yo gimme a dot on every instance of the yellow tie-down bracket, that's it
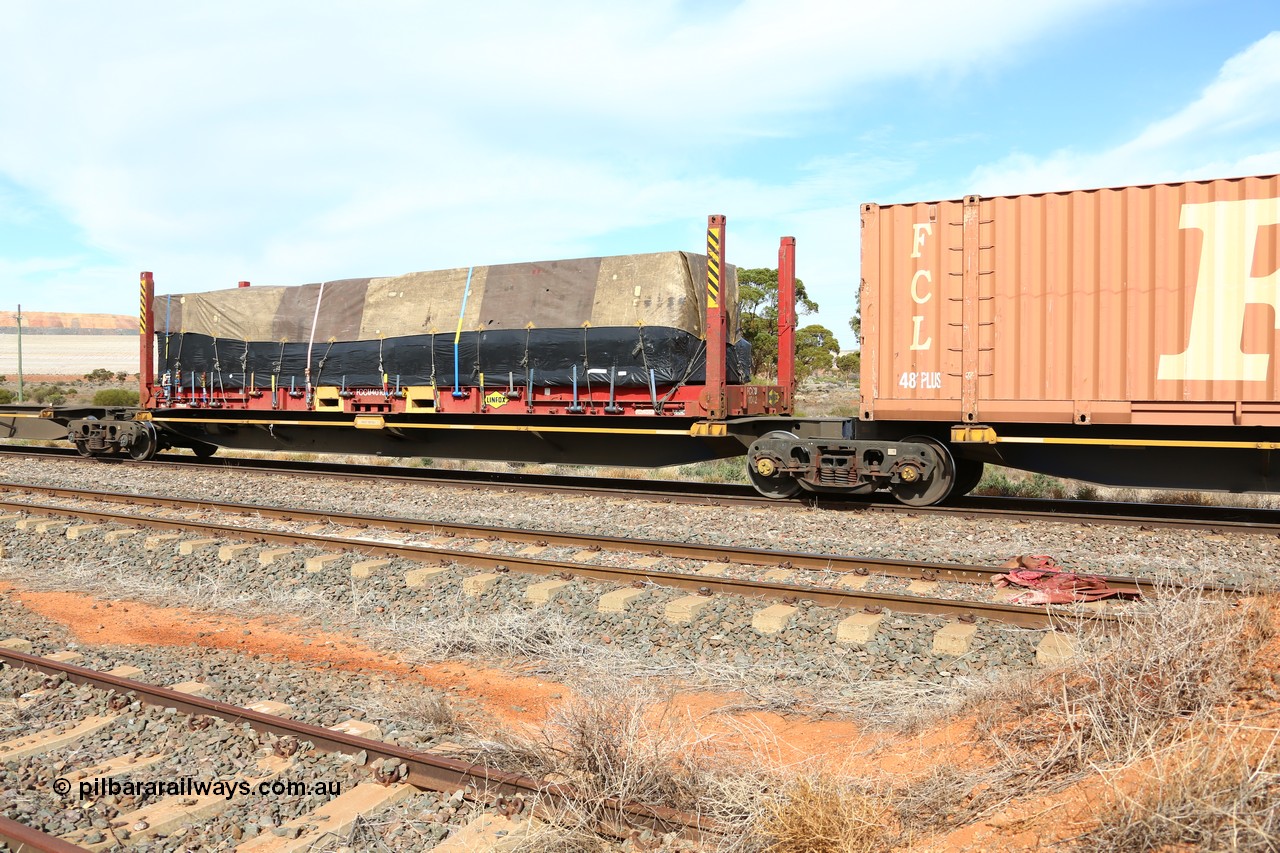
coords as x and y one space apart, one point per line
328 399
419 399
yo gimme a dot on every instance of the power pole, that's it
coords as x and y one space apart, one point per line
18 317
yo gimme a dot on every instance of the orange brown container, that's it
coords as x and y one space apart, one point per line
1144 305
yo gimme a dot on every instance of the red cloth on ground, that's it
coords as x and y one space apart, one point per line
1048 583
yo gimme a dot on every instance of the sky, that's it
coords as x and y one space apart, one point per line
291 142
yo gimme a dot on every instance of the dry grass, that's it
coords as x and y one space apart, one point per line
539 635
425 710
626 741
819 814
1212 794
1133 688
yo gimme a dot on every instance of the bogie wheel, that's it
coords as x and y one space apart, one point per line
82 447
778 485
145 444
968 476
937 487
202 450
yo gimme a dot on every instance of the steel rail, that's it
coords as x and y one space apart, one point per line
1213 519
741 555
1022 616
680 550
425 770
20 838
672 491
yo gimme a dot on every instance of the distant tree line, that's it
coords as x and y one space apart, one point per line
817 349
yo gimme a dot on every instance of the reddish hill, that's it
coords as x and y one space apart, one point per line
54 322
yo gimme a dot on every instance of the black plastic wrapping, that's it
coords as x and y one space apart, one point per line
675 357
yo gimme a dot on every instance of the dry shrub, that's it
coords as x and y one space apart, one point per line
1183 498
944 796
818 814
623 741
426 709
1212 794
909 707
1170 659
536 634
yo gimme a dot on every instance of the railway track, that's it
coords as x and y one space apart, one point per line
825 579
191 526
393 772
1212 519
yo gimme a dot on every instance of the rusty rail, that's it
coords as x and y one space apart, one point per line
425 770
741 555
1021 616
20 838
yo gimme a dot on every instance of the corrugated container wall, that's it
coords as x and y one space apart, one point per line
1145 305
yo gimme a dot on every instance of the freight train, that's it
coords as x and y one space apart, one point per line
1124 336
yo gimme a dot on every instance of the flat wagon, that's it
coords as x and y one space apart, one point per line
1124 336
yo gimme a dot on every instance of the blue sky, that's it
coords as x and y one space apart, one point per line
292 142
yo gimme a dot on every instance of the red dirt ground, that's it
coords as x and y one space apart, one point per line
499 694
1029 824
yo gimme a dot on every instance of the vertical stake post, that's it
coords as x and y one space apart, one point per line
146 337
787 318
18 317
714 393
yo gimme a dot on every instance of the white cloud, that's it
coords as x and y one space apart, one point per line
288 143
1237 117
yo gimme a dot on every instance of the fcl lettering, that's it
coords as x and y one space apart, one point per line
1224 287
919 282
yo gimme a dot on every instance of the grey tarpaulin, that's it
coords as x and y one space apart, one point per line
629 313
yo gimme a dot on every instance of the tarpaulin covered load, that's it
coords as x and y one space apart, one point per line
631 314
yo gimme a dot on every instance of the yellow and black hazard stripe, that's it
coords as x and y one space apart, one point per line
714 260
142 304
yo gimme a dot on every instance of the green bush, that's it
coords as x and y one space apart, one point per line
850 364
115 397
6 396
49 395
996 481
101 374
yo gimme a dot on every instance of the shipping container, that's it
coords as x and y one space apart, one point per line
1145 305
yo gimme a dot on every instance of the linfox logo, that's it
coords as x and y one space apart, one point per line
1224 287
